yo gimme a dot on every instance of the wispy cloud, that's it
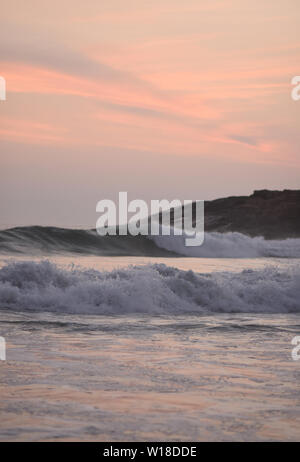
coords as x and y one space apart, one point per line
171 80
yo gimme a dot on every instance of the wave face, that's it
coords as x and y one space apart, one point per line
153 289
235 245
38 240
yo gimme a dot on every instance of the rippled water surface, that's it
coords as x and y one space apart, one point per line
221 377
134 377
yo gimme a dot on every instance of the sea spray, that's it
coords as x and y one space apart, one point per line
151 289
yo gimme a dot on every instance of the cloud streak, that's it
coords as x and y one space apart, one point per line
208 81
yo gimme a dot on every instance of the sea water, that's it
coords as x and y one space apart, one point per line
141 348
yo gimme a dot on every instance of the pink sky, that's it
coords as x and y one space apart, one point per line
161 98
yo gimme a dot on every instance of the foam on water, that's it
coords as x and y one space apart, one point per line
150 289
233 245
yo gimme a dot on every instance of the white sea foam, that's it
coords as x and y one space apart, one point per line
234 245
151 289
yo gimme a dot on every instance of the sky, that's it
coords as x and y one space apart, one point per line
163 99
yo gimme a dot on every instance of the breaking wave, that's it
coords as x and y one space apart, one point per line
153 289
233 244
38 240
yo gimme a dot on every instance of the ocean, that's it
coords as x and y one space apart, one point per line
137 339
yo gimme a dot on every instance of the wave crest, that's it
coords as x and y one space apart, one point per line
38 240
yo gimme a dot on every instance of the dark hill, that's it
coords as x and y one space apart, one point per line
272 214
